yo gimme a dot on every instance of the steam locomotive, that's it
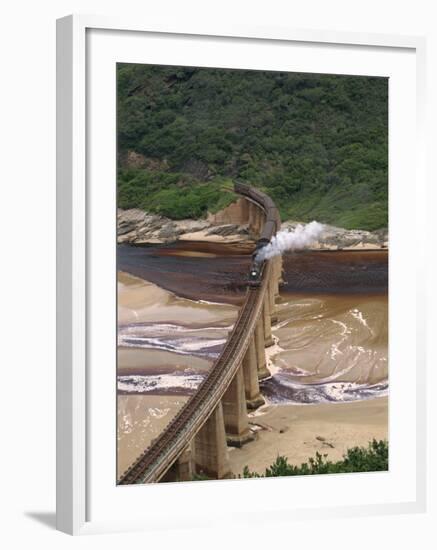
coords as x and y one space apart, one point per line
255 274
271 226
256 267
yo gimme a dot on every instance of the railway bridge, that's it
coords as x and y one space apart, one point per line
216 416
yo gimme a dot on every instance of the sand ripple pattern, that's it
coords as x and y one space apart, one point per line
178 341
331 348
202 342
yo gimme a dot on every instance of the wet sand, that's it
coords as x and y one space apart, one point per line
142 301
154 382
141 418
144 307
331 347
144 361
292 431
329 350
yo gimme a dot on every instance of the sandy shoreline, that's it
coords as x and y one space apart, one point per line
292 431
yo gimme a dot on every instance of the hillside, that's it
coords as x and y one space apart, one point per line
317 144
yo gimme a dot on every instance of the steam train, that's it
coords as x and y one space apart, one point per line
271 226
255 274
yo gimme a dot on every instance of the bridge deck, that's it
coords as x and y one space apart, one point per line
153 463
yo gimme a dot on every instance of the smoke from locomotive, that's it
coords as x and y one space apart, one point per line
302 237
267 246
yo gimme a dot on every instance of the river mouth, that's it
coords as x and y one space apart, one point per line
331 328
176 309
218 273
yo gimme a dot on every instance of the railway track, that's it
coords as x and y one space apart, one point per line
154 462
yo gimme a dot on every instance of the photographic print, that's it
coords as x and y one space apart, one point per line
252 270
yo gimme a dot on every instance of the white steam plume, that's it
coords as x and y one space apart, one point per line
301 237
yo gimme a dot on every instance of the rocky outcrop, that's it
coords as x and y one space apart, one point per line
137 227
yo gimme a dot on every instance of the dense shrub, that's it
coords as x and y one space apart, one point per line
316 143
374 458
171 194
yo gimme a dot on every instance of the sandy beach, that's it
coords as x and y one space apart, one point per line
299 431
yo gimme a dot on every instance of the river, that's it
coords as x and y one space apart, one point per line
177 303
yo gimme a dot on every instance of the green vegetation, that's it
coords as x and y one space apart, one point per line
317 144
374 458
171 194
358 459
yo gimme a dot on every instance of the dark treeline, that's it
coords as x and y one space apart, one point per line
316 143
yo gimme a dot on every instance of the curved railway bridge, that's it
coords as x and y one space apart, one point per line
197 439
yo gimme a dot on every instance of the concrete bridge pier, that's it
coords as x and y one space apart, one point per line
273 288
210 448
184 465
235 412
248 214
244 210
277 274
261 220
268 339
263 372
254 398
271 296
256 223
253 209
182 469
256 220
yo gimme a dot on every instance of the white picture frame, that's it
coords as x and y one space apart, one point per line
74 293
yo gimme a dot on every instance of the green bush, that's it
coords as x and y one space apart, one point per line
174 195
374 458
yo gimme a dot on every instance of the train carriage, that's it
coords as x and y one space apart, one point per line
271 225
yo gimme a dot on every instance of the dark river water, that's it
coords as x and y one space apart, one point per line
205 271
